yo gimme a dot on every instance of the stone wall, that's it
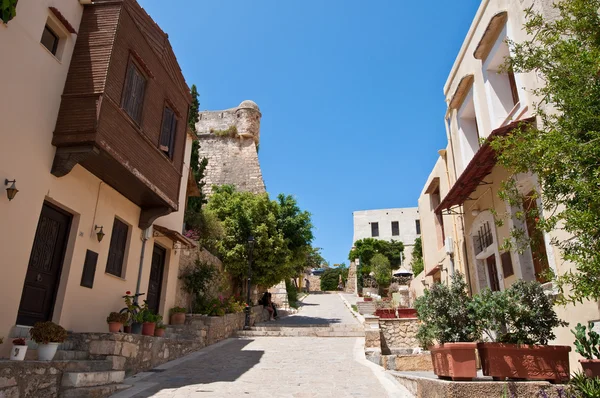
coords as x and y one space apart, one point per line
30 379
351 283
279 295
398 333
315 283
232 154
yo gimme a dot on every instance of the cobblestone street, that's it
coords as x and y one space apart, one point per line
275 366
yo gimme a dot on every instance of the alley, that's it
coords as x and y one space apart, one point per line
291 367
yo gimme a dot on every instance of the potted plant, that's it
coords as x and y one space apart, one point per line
19 350
160 329
177 315
519 322
149 322
115 321
587 347
47 335
447 318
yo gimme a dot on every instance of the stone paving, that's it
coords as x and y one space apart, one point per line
276 367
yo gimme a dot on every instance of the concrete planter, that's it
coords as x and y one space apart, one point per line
148 328
114 327
522 361
456 361
18 352
591 367
46 352
178 318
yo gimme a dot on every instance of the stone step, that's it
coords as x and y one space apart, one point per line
94 392
366 307
91 379
88 366
300 333
70 355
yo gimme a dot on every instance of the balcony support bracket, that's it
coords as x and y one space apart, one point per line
66 158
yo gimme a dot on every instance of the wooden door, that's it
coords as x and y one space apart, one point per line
45 266
157 269
493 273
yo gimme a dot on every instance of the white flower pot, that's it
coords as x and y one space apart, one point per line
46 352
18 352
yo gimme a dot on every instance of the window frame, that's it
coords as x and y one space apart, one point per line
168 150
120 230
54 49
374 229
397 223
124 91
418 227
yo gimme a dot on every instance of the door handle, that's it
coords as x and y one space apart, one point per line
38 277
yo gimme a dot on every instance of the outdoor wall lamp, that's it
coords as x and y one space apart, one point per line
100 234
11 191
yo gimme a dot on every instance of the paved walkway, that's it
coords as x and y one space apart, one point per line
264 367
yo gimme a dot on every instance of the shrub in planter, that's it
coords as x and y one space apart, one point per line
47 335
587 347
116 321
177 315
19 349
520 321
583 386
149 320
447 318
160 329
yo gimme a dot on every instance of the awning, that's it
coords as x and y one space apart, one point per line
174 236
478 168
433 271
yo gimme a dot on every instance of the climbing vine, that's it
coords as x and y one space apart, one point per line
228 132
8 10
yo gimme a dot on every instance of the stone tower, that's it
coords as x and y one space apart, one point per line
230 139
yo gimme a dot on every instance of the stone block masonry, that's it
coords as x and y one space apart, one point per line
229 139
398 333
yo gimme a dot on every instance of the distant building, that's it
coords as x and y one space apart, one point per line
401 225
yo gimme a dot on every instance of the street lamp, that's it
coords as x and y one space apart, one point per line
248 308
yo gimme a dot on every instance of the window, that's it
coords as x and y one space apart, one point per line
513 87
483 239
374 229
435 199
167 133
50 40
395 228
116 253
133 93
536 237
418 226
507 266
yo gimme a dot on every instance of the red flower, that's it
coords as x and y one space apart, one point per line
128 292
537 219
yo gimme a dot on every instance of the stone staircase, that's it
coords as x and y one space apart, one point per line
330 330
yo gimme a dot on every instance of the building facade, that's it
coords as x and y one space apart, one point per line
401 225
95 114
484 101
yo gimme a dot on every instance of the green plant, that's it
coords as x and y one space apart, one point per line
231 131
582 386
587 347
197 280
48 332
382 270
354 308
446 314
117 317
147 316
417 263
521 314
8 9
330 279
366 248
292 292
160 325
177 310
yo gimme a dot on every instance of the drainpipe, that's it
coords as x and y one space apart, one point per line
145 236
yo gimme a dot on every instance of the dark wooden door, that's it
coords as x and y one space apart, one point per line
45 266
156 276
493 273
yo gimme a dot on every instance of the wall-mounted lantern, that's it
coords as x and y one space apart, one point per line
11 191
100 234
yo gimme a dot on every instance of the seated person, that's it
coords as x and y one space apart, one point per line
266 303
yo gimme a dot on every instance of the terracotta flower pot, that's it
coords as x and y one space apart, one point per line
591 367
114 327
159 332
404 313
178 318
522 361
386 313
368 298
456 361
148 328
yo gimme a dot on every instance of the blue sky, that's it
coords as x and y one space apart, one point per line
350 92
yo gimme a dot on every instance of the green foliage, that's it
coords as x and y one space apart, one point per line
48 332
417 265
330 279
366 248
8 10
314 259
446 314
231 131
521 314
177 310
292 293
117 317
381 269
193 116
196 280
563 150
219 306
205 227
354 308
582 386
587 347
282 234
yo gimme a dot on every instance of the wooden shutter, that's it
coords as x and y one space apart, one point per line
126 102
167 133
507 265
116 253
89 269
140 89
133 93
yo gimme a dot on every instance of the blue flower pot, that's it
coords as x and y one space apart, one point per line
136 328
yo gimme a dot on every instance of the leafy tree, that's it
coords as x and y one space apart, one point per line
314 259
381 269
277 247
8 10
366 248
194 108
417 263
330 279
563 149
